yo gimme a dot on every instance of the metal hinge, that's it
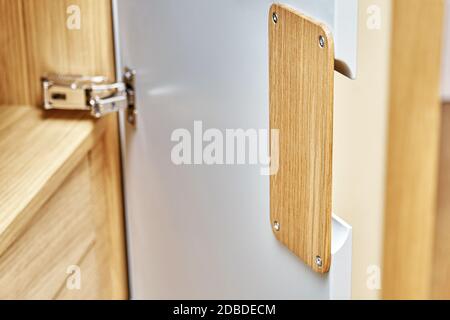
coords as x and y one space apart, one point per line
92 94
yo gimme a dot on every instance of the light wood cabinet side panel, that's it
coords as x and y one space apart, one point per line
104 266
413 146
54 47
62 231
51 47
37 156
109 214
441 262
89 51
92 280
13 58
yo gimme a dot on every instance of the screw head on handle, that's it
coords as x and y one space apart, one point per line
276 226
321 41
318 261
274 17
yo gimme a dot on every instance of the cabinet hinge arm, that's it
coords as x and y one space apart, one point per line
93 94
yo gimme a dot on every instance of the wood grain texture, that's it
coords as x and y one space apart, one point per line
301 108
103 266
413 147
35 266
37 154
13 61
109 218
37 157
87 51
92 279
48 148
441 259
54 48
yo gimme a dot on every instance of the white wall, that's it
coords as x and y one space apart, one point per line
360 145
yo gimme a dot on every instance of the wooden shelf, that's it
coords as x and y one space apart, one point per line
37 153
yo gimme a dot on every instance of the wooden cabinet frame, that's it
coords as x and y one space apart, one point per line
36 40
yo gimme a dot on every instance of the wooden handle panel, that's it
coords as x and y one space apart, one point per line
301 108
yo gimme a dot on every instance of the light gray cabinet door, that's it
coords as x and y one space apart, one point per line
202 230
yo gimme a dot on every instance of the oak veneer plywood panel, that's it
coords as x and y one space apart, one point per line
445 85
92 283
54 48
413 148
13 59
301 108
38 153
103 266
35 40
35 265
87 51
441 261
115 217
109 218
104 274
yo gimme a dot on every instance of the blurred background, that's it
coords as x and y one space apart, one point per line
391 153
